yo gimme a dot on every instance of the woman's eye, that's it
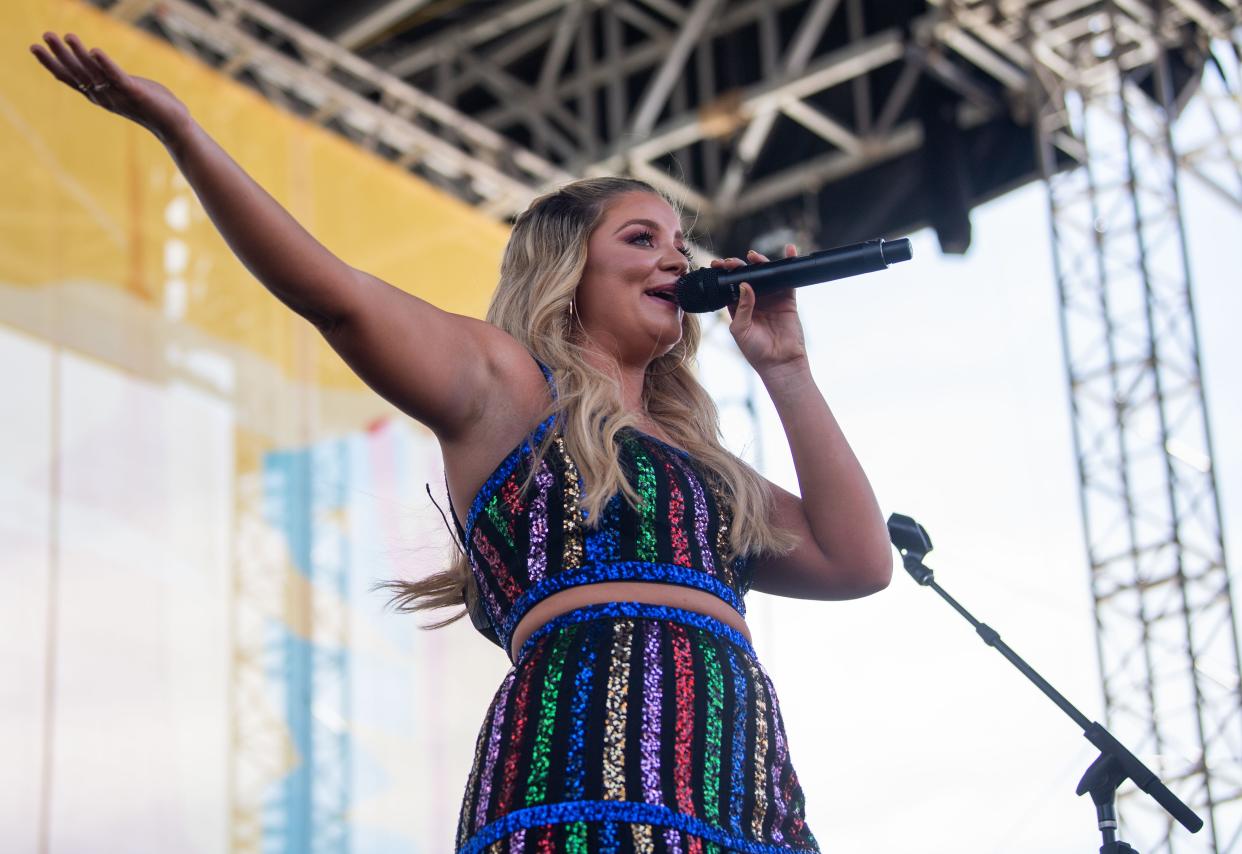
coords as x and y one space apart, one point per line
649 238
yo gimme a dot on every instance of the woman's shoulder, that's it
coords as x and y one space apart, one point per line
515 379
500 389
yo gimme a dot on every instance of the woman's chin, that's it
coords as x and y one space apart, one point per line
664 344
665 328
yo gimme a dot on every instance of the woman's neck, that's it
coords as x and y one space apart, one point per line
633 378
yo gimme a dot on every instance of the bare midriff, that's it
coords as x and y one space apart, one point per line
626 591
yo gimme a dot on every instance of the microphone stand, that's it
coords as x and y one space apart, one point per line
1115 763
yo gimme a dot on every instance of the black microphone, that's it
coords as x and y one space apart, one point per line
707 289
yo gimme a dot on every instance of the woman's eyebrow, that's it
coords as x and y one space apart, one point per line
652 224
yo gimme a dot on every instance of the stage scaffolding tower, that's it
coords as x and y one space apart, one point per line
1104 93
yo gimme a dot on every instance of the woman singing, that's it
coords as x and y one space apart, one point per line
609 538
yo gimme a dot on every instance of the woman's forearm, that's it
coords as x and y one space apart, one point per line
280 253
840 506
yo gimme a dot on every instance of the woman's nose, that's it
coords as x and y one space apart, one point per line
676 262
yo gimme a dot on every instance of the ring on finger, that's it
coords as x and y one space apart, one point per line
99 87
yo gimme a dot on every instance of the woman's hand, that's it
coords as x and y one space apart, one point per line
767 329
102 82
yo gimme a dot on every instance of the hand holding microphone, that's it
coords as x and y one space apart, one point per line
709 289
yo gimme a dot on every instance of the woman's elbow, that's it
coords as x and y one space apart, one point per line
882 573
874 572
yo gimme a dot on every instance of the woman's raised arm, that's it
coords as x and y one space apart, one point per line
434 365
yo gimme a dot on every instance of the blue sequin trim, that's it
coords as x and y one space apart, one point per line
510 462
743 571
575 761
614 610
627 570
737 792
502 472
603 543
623 811
547 375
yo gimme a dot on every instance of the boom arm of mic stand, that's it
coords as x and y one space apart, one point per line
912 541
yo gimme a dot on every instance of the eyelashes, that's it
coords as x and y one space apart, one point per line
650 238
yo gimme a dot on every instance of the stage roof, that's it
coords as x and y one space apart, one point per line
824 121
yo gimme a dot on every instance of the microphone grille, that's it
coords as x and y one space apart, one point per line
699 291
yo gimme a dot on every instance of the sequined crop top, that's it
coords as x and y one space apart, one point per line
525 546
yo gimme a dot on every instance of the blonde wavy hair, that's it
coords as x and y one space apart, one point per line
542 265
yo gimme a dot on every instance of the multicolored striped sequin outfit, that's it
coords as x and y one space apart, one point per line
622 727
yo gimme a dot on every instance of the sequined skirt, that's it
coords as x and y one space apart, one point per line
628 727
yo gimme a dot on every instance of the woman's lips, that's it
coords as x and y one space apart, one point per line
668 302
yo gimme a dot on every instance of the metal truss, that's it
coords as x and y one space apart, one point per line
314 77
1212 151
536 92
640 88
1166 633
686 94
1067 46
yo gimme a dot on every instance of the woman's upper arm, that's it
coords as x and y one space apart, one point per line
438 367
808 572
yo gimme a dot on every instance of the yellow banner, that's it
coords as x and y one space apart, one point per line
92 207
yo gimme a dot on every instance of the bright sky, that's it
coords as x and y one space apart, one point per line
907 732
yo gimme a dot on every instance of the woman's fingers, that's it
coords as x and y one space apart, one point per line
67 64
100 89
91 72
88 65
112 72
51 64
67 60
752 257
741 311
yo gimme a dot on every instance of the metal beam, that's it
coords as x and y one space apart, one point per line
509 88
653 100
374 20
810 30
815 173
632 61
479 164
634 15
398 91
502 21
823 126
668 9
830 70
566 28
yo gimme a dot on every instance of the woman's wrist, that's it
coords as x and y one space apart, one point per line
786 376
176 131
